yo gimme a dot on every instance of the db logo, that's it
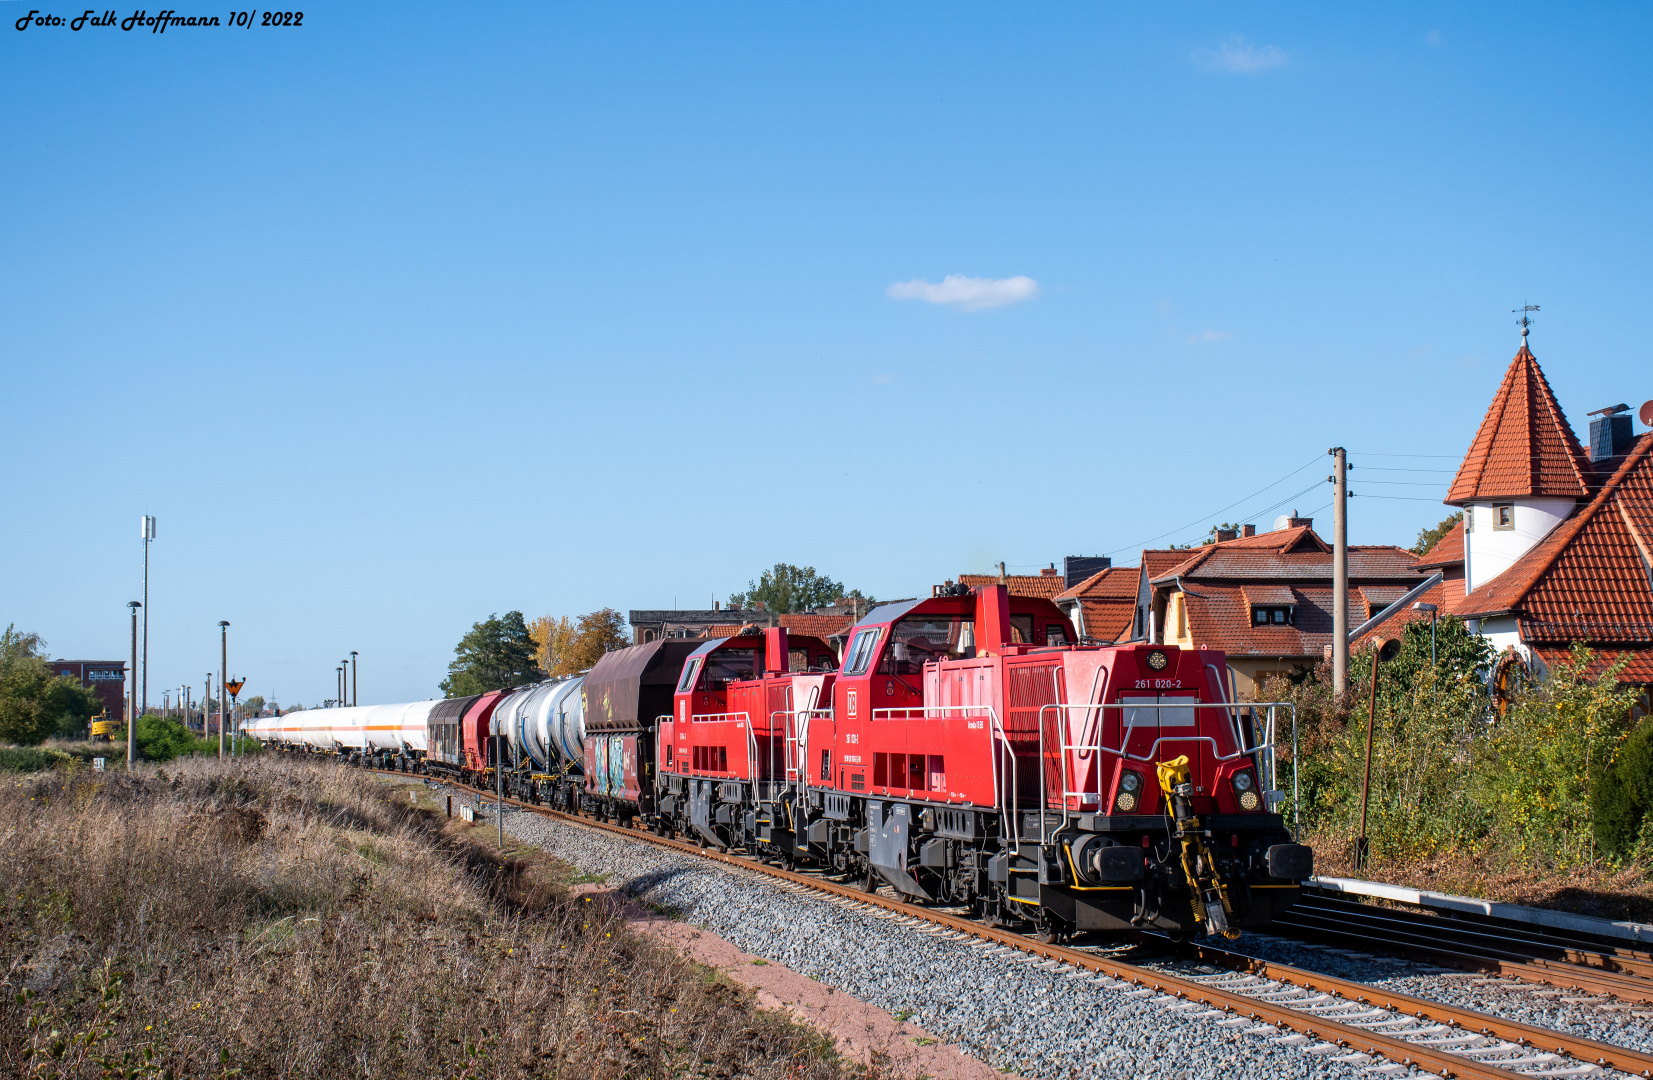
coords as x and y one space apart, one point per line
850 702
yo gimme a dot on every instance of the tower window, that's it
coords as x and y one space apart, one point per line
1503 515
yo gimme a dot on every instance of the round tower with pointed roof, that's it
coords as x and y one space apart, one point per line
1525 473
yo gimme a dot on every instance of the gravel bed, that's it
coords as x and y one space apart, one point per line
1007 1011
1511 999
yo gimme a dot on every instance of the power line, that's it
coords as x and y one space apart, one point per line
1226 509
1390 468
1398 498
1363 453
1407 483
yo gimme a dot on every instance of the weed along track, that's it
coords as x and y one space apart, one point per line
1340 1021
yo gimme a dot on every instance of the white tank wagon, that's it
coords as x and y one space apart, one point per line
513 719
544 727
384 736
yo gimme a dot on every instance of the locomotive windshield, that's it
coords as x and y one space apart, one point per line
727 664
924 639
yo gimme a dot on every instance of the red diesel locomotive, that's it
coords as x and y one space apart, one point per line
966 752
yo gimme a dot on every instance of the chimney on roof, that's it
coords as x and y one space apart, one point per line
1048 571
1003 580
1076 568
1292 522
1225 535
715 604
1248 531
1610 432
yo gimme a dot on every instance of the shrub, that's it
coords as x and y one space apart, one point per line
1623 793
1540 760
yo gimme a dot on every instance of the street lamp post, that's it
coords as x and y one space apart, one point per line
355 679
132 697
1384 652
206 702
1434 613
223 677
338 677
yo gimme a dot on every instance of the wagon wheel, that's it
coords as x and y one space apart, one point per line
870 885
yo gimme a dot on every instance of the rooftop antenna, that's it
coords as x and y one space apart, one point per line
1524 321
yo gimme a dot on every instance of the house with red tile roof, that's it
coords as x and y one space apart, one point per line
1103 606
1265 599
1048 583
1556 545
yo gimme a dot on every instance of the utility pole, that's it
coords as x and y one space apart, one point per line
1340 569
355 679
206 700
148 535
132 698
223 677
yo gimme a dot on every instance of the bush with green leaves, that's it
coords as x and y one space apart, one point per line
1546 782
1539 760
35 704
1622 797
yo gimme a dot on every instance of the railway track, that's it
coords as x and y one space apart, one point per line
1564 962
1344 1021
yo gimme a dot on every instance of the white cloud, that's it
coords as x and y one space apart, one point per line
1237 56
1209 336
969 293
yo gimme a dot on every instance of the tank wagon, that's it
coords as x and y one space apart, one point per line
966 751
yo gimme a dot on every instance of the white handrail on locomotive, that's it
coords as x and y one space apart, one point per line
1256 753
1009 824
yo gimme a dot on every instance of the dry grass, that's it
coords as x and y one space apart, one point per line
1596 890
279 919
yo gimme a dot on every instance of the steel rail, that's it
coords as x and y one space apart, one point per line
1588 1050
1559 974
1314 1027
1493 939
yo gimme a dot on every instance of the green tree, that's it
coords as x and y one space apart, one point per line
787 588
253 705
600 632
33 704
1428 538
496 653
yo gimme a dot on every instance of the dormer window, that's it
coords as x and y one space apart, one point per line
1503 515
1271 615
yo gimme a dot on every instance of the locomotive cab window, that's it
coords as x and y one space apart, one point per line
858 657
689 673
924 639
1021 629
1055 634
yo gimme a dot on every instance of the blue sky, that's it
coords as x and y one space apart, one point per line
416 313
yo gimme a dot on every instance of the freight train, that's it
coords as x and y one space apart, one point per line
965 750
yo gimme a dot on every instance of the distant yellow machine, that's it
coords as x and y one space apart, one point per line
103 728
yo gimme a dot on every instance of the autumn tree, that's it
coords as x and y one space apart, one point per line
552 637
496 653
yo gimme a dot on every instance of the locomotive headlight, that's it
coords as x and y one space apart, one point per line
1242 781
1248 800
1125 803
1131 781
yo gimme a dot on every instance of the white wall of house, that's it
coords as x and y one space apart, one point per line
1490 550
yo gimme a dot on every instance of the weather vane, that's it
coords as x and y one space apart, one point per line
1525 320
